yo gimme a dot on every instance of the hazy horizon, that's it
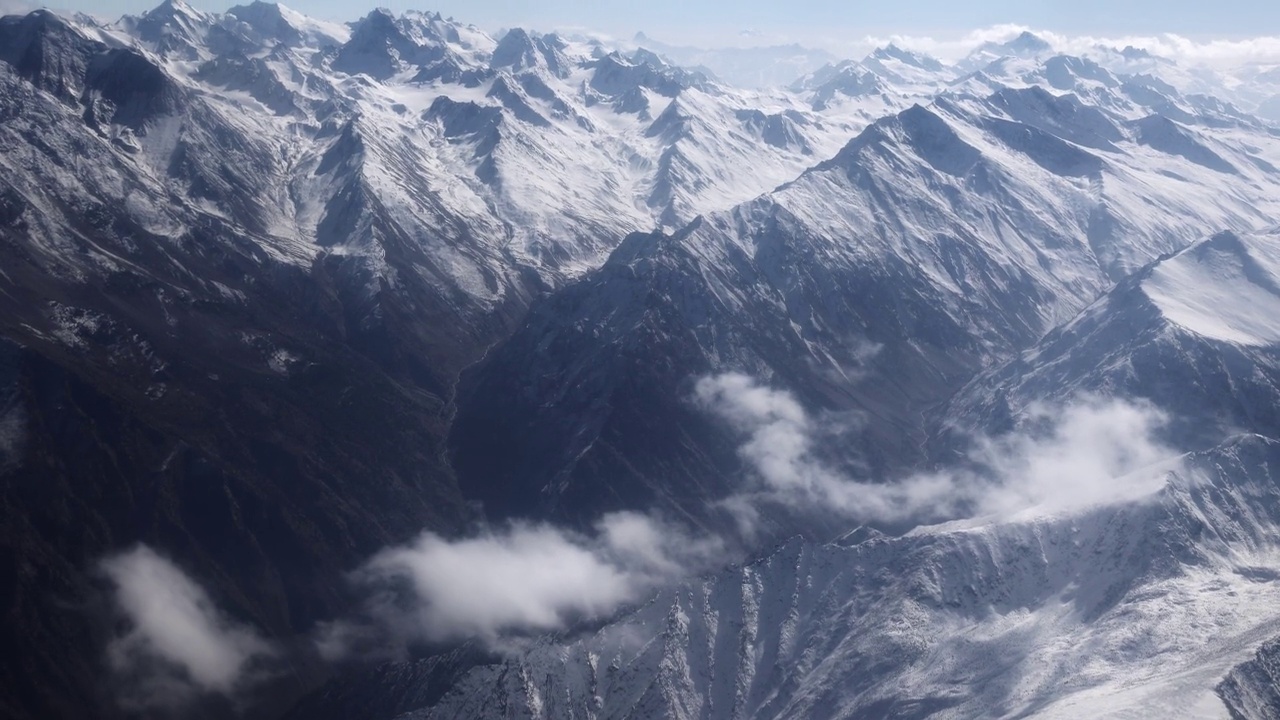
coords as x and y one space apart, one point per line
1235 31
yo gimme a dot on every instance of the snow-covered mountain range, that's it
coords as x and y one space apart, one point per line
937 242
276 293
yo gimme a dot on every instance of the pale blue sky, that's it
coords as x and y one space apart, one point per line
689 20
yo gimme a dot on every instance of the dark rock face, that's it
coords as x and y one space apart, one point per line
268 424
43 50
1251 691
390 689
137 89
541 444
269 472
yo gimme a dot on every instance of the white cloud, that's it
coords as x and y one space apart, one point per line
178 644
503 584
1221 54
946 48
1090 452
654 551
1210 53
1087 453
526 577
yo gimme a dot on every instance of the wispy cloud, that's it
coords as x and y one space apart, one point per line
1223 53
951 47
505 583
178 645
1086 453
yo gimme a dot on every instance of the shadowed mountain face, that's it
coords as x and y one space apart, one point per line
169 381
226 407
1251 691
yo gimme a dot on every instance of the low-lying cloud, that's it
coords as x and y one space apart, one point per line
1223 54
1093 451
505 583
1089 452
1215 52
178 645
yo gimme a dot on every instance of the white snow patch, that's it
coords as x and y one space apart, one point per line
1225 288
280 361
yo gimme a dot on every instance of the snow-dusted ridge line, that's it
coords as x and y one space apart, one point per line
542 115
570 161
1251 691
1194 333
1225 288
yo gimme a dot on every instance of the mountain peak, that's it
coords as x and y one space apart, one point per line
173 27
892 53
283 24
378 46
410 30
379 15
521 50
849 79
515 49
173 9
267 19
1025 45
40 18
172 6
644 56
1029 42
617 74
260 6
918 129
1132 53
